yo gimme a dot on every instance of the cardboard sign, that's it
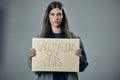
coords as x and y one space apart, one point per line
55 55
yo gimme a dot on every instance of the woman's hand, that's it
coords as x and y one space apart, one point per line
32 52
78 53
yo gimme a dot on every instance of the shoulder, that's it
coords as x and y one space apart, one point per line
76 36
38 36
73 35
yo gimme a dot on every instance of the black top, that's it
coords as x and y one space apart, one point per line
58 75
57 35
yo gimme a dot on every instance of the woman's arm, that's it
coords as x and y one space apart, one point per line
81 53
32 53
83 59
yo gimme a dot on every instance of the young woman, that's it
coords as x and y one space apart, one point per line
55 25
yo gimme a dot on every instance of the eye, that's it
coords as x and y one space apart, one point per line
52 14
59 14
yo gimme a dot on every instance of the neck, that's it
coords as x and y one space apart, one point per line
56 29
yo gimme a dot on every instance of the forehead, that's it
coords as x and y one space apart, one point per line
56 10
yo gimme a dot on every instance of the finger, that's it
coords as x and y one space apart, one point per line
78 49
78 52
77 55
32 54
32 50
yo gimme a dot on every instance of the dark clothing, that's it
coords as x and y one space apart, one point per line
63 75
56 35
58 75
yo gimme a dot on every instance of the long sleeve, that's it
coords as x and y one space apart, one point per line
83 59
30 65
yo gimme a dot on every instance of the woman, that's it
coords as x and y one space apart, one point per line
55 25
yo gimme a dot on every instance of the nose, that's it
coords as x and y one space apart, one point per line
56 17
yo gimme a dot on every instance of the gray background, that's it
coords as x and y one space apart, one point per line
97 22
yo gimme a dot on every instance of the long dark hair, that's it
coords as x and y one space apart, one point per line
47 30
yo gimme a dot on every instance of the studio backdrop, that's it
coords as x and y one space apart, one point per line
97 22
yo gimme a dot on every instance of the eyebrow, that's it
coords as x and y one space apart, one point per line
56 13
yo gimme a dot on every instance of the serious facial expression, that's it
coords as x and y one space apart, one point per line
55 17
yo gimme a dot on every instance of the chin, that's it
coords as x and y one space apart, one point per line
57 26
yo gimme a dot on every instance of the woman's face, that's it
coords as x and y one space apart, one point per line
56 17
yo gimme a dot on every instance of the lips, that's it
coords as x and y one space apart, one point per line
56 21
